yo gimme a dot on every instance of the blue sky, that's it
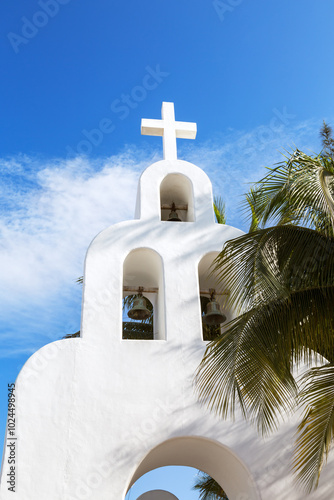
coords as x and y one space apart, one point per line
76 79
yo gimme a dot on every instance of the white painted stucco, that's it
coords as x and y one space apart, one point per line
97 412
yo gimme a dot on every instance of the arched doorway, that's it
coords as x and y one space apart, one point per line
212 457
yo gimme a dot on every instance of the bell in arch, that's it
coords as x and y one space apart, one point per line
139 310
213 315
173 214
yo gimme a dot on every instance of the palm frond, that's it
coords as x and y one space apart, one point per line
273 274
72 335
240 369
271 262
250 365
255 204
208 488
219 209
316 431
298 190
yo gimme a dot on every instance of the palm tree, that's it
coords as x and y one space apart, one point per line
208 488
281 281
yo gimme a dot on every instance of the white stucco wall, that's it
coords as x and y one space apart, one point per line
94 413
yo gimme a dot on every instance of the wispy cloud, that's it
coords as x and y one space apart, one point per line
50 213
51 210
53 221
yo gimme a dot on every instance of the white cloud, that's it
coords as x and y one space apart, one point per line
47 225
44 238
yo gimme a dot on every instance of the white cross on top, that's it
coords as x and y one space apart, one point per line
169 129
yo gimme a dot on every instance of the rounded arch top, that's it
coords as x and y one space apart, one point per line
207 455
193 183
143 266
177 189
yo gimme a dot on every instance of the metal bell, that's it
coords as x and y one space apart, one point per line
139 310
213 314
173 214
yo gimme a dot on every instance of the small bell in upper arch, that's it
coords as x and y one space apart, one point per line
213 315
173 217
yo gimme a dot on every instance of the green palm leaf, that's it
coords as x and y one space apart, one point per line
316 431
300 190
240 369
208 488
255 203
219 210
272 262
273 274
250 365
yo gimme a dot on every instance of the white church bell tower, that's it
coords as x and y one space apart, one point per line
97 412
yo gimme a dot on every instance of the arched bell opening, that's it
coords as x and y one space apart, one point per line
213 294
207 455
143 304
138 317
177 199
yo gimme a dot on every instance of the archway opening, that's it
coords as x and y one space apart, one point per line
177 189
209 281
143 276
211 457
174 483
